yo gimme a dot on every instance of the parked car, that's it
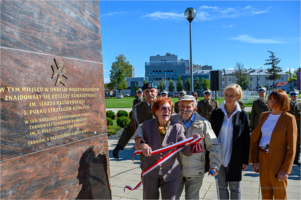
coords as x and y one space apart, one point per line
119 96
170 94
127 95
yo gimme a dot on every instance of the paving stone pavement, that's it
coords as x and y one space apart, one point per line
125 172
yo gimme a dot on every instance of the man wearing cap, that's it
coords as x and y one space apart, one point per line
207 105
193 167
259 106
164 93
295 109
141 112
139 97
181 94
241 104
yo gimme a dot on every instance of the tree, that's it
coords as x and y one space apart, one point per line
162 85
119 71
171 87
205 84
106 86
144 81
292 75
197 84
275 70
155 82
135 88
179 84
187 84
241 76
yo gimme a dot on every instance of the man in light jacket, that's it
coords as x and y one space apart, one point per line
193 167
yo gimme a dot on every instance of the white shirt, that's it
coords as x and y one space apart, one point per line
267 129
225 137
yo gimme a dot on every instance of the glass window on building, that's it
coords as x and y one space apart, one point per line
258 78
251 78
223 80
229 78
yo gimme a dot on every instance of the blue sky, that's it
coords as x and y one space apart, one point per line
223 32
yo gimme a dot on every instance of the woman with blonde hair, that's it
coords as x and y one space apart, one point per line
273 146
231 125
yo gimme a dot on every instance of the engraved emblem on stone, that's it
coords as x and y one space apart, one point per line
59 71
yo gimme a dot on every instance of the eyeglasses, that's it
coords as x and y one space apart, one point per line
186 107
165 109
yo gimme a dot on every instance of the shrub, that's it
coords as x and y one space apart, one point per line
121 113
109 121
130 115
110 114
123 121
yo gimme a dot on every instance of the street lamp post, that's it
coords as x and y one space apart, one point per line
190 15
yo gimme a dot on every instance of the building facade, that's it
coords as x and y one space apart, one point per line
257 78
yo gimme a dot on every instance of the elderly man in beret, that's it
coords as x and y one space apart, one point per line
141 112
193 167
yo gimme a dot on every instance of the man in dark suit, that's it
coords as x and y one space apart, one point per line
141 113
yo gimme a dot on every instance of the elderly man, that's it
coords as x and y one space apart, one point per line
139 97
141 113
176 107
193 167
207 105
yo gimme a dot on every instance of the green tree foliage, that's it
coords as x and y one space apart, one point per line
197 84
241 75
144 81
109 121
119 71
205 84
155 81
135 88
161 85
292 75
171 87
179 84
274 71
110 114
106 86
187 84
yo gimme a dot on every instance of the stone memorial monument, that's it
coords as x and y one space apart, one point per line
53 124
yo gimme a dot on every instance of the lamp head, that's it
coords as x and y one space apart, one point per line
190 14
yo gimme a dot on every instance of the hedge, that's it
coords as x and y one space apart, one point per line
109 121
122 113
123 121
110 114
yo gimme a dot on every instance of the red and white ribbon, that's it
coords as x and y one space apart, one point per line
183 143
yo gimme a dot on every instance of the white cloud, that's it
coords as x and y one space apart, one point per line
115 13
227 26
231 68
250 39
105 70
165 15
211 13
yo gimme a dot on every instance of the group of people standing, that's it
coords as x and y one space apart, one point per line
226 149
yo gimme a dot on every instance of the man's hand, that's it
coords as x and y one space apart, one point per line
255 167
146 150
282 176
195 136
244 167
137 142
215 172
116 151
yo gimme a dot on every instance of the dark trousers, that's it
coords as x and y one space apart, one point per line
169 190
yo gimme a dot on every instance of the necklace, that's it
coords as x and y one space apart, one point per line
230 112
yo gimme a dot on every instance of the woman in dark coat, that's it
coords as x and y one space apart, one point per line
158 133
231 125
